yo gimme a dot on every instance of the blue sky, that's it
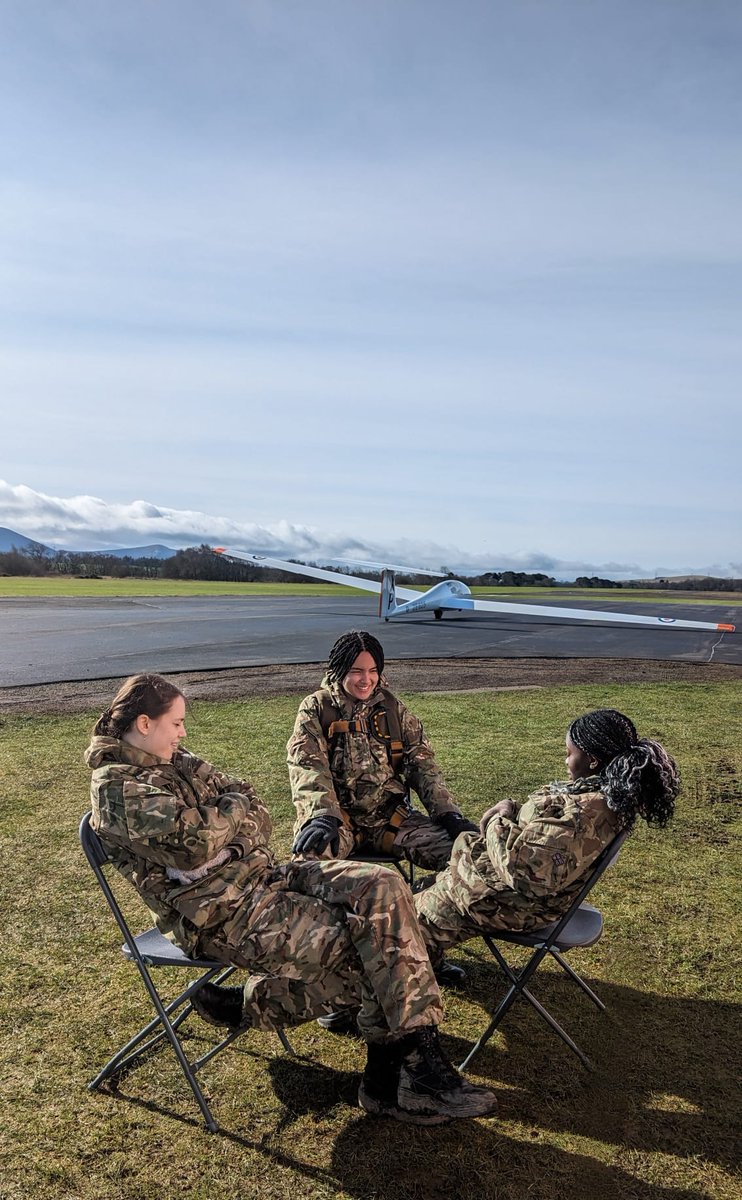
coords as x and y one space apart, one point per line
452 283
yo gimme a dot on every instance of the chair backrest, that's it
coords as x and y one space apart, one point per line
95 851
98 857
602 862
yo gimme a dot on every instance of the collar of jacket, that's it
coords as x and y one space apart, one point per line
104 749
590 783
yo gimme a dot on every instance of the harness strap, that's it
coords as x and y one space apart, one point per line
386 841
359 725
383 724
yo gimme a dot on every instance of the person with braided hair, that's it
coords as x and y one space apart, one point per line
526 863
355 753
314 936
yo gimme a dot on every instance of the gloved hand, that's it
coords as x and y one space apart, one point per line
317 835
455 823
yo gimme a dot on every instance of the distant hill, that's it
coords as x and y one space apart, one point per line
156 551
10 540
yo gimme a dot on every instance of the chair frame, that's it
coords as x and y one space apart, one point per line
581 925
152 949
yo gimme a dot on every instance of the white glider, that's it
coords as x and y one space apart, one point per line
453 595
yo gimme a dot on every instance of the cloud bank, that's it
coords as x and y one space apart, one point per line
91 523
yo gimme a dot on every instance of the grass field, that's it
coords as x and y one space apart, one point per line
65 585
658 1120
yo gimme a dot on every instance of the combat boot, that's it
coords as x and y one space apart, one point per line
342 1021
429 1084
449 974
380 1086
219 1005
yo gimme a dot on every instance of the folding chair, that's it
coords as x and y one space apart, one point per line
581 925
148 950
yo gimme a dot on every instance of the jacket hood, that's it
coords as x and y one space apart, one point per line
104 749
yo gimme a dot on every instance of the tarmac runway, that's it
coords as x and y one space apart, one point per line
58 640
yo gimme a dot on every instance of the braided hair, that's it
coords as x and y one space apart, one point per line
150 695
638 776
346 650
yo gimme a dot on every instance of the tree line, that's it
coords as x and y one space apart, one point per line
200 562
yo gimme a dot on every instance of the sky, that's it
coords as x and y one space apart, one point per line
448 283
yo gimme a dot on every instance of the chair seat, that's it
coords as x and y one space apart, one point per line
158 951
583 929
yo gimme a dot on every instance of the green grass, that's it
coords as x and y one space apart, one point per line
66 585
657 1121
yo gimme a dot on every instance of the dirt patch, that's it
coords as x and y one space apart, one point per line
410 675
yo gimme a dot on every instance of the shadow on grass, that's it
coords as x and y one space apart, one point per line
274 1154
468 1159
666 1068
386 1160
664 1084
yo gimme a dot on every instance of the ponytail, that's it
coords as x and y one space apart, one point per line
638 776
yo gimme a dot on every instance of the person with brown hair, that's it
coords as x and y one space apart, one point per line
314 935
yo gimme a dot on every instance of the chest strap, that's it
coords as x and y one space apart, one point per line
359 725
382 724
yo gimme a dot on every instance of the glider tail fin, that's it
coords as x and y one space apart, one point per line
387 595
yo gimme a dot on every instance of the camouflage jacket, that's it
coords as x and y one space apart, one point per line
153 814
530 868
354 776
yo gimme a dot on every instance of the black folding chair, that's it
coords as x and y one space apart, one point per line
149 950
581 925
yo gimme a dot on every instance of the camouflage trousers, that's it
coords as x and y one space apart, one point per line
448 914
418 838
323 935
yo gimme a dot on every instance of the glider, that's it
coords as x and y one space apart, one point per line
452 595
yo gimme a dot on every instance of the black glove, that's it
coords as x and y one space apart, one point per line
317 834
454 824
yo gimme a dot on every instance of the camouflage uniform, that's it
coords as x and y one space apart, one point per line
524 872
353 779
314 935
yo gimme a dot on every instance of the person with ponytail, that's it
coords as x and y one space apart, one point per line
314 936
527 862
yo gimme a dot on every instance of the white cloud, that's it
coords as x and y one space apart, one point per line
90 523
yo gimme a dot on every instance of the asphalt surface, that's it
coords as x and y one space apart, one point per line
58 640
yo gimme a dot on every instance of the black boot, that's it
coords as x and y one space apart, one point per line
343 1020
429 1084
449 974
380 1085
219 1005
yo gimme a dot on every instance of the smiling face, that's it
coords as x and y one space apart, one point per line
159 736
579 764
362 678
